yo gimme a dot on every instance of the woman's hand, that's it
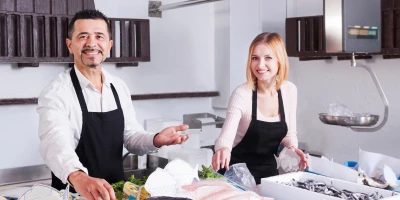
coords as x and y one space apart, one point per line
303 159
221 159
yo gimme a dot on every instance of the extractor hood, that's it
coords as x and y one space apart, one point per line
352 26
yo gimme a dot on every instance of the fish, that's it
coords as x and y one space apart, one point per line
216 189
236 194
208 182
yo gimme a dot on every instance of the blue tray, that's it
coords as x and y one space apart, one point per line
351 164
307 170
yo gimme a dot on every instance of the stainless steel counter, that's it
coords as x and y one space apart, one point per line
16 190
24 174
16 181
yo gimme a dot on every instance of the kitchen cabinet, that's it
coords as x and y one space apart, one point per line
32 32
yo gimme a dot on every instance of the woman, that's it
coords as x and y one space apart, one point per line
262 112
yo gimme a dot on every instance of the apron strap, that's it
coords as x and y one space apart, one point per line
254 104
115 96
281 108
78 91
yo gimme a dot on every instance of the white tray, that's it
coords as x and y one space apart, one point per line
273 187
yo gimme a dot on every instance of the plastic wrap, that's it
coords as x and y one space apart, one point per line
288 160
338 109
239 173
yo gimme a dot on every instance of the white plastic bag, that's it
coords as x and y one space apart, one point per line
240 174
288 160
338 109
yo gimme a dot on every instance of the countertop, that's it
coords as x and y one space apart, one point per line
16 190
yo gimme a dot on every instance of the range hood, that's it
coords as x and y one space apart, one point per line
352 26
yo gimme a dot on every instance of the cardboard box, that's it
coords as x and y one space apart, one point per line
273 187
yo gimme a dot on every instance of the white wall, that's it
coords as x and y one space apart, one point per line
300 8
321 82
236 25
182 60
273 16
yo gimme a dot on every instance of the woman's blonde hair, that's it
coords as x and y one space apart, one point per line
277 46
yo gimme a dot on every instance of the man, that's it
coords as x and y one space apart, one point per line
86 116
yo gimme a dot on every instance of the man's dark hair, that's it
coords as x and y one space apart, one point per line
87 14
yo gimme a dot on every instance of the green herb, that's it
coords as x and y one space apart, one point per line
119 186
139 182
119 195
208 172
118 189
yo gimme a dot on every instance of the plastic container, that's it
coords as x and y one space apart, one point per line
308 171
328 168
135 192
351 164
274 187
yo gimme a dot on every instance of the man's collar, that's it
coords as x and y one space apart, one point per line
84 82
107 78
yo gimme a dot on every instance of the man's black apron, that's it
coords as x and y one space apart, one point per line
100 146
260 143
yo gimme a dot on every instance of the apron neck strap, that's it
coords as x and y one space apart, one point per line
254 105
79 93
115 96
78 90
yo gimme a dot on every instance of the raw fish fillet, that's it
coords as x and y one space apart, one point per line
237 195
205 192
194 186
215 189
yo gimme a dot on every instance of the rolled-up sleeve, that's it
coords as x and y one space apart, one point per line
136 139
56 138
291 137
231 123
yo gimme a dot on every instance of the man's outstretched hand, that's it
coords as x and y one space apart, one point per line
170 136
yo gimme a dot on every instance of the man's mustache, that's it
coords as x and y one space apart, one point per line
91 49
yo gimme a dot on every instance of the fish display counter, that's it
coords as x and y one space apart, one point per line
306 186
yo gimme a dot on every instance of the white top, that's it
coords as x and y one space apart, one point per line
239 112
60 120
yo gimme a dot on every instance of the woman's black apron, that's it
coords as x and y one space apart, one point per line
260 143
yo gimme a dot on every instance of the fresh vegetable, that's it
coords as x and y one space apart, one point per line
119 195
139 182
208 172
118 189
119 186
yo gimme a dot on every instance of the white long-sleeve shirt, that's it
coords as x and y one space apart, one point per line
239 112
60 122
